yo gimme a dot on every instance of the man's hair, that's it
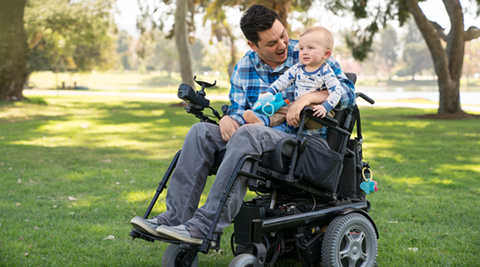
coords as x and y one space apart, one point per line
328 37
257 19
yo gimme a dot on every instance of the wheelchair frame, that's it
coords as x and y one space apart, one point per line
257 226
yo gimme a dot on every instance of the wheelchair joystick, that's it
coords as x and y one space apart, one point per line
196 100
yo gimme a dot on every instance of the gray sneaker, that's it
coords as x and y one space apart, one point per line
147 226
179 232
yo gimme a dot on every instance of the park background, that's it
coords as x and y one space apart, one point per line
146 59
84 152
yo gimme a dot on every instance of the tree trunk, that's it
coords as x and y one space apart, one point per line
282 8
13 50
455 50
447 62
181 40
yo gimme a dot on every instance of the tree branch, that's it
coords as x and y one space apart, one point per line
440 30
472 33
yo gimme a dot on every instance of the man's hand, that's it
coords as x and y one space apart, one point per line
227 127
294 109
293 113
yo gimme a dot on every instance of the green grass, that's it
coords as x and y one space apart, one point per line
75 170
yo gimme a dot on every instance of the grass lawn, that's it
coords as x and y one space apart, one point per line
75 170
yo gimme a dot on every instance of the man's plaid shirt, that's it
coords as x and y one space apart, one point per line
251 77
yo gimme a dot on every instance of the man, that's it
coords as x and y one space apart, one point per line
272 54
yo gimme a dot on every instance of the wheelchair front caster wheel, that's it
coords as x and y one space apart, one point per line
350 241
243 260
174 256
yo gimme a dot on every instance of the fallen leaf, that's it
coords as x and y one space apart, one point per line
19 181
106 161
110 237
71 198
36 228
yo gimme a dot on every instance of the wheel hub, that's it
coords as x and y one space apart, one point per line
354 254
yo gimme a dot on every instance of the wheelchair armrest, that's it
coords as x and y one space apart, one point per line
286 147
326 121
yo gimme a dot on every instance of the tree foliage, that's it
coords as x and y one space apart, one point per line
68 35
416 56
388 48
123 50
156 52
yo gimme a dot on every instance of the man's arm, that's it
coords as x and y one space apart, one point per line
293 113
238 103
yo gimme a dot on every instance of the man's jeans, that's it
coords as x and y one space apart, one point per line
197 157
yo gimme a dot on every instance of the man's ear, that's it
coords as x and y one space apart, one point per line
252 46
328 53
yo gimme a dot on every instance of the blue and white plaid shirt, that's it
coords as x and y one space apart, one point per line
251 77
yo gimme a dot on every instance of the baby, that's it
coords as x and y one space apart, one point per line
309 75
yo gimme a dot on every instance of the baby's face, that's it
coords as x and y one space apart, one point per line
312 49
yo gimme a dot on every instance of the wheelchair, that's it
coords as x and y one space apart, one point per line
308 213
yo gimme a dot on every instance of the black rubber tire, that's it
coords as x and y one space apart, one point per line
171 254
350 241
243 260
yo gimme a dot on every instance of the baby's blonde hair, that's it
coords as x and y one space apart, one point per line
326 33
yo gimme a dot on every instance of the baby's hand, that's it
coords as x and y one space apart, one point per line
265 94
319 111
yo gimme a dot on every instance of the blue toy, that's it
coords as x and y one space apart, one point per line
369 185
269 104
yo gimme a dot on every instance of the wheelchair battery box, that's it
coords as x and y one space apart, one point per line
243 222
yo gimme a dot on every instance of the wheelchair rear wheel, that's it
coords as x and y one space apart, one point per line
243 260
173 256
350 241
